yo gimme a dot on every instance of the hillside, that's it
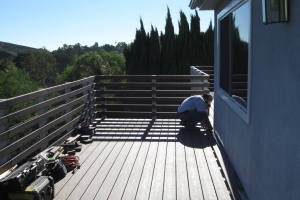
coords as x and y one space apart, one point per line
14 48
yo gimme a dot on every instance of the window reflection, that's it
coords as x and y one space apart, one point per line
234 47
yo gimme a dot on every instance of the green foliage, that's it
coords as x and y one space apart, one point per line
40 65
93 63
15 82
6 62
66 76
4 54
114 64
67 54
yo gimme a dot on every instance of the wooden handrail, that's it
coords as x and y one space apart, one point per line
52 120
46 122
139 96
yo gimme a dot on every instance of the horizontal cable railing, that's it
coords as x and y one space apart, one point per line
146 96
47 117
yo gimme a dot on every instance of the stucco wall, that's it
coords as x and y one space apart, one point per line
266 153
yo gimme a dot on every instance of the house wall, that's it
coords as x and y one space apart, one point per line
265 153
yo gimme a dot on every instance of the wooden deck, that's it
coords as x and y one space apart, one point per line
149 159
146 159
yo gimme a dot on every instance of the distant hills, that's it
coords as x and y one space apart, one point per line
14 48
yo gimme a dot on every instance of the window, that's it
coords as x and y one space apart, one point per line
233 51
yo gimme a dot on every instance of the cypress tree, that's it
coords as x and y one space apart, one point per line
138 52
166 53
209 45
154 52
168 50
195 41
182 50
162 53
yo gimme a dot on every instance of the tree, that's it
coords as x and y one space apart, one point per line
183 48
168 53
208 46
114 64
67 54
120 47
137 53
5 62
168 48
154 52
4 54
108 48
41 66
93 63
15 82
195 41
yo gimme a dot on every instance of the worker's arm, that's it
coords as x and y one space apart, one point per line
205 120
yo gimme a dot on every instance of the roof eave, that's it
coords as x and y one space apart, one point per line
204 4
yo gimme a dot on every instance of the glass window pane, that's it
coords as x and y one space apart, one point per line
240 48
234 50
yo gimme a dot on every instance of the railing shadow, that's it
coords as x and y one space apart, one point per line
134 130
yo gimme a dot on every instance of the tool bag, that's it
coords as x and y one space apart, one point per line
56 169
24 174
40 189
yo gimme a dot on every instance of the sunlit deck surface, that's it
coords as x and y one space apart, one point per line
147 159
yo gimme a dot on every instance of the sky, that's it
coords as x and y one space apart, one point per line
52 23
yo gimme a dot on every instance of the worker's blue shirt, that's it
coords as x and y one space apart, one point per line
192 103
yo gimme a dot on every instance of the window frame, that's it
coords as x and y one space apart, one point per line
243 112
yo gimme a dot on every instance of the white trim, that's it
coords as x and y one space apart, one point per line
233 5
244 113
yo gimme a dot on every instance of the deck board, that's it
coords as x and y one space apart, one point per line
145 159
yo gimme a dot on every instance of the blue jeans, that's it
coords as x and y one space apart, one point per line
190 118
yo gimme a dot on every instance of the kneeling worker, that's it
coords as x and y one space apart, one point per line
193 110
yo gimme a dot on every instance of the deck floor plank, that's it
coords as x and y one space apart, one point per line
104 171
181 171
65 186
92 172
121 182
147 174
114 172
218 179
156 192
145 159
205 178
170 171
136 173
193 173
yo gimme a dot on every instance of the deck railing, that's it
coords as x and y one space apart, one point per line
49 119
51 114
148 96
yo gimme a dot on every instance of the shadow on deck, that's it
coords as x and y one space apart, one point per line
148 159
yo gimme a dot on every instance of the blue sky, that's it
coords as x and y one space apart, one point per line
50 24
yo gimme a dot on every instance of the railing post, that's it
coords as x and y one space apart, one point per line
42 123
154 116
102 89
67 90
88 115
84 93
92 99
4 128
195 71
